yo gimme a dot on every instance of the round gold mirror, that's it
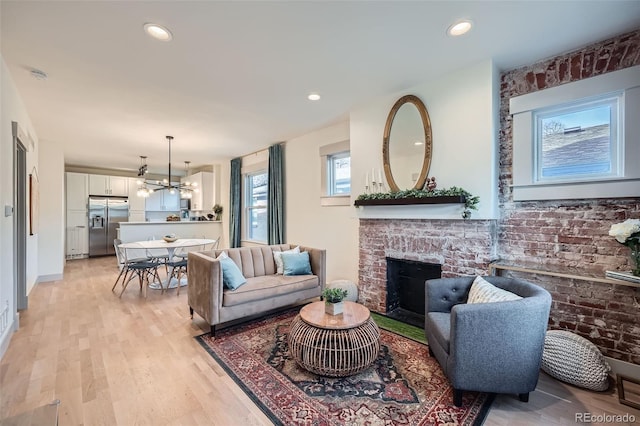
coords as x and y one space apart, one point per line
406 145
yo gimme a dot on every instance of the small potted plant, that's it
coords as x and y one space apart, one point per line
333 300
217 209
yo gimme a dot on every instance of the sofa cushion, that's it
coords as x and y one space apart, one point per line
231 275
440 325
296 264
268 286
277 257
482 291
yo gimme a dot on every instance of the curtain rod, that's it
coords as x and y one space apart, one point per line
263 149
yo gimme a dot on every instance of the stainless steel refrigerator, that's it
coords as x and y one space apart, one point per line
105 215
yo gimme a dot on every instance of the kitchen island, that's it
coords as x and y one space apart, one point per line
141 231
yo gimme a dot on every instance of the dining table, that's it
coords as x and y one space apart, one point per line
170 246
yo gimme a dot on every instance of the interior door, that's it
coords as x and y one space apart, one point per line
20 218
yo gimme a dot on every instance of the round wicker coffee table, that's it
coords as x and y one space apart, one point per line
334 345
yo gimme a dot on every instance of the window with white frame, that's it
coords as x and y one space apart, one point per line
578 140
339 173
255 206
335 165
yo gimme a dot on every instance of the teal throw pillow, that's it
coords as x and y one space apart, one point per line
296 263
231 275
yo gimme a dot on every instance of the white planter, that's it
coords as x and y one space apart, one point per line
334 308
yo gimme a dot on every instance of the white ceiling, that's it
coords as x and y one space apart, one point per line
236 75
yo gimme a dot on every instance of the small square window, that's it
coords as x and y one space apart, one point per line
335 174
339 174
577 142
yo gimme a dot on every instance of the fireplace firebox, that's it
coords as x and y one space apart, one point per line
405 289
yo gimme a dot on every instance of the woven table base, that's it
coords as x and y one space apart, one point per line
334 353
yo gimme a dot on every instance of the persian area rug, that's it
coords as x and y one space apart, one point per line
404 386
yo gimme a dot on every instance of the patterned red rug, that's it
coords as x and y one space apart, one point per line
403 387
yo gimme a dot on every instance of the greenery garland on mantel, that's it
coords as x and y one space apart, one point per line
470 201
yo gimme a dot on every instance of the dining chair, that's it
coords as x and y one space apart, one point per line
212 246
120 259
143 268
122 263
159 256
179 263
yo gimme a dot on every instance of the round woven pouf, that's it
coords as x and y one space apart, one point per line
334 352
351 287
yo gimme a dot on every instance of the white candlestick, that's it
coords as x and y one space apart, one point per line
366 182
373 175
379 175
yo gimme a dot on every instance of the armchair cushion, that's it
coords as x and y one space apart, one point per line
440 325
483 291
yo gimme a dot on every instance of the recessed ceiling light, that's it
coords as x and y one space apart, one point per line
158 32
313 96
459 28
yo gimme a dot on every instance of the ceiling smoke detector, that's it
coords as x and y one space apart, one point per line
38 74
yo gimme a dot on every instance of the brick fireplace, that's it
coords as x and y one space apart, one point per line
461 247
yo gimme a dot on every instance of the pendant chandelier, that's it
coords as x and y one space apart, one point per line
146 188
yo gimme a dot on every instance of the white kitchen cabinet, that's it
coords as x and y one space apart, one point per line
77 231
119 185
108 185
77 189
135 202
202 199
163 201
77 234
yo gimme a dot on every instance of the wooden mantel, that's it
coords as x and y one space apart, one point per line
451 199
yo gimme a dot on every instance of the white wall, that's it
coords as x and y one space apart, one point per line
463 110
51 235
334 228
12 109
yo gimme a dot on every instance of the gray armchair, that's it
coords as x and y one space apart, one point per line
487 347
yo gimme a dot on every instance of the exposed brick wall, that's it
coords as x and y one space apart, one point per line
461 247
573 234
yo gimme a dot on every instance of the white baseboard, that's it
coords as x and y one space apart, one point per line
48 278
5 339
624 368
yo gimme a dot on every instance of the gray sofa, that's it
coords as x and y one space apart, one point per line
263 291
487 347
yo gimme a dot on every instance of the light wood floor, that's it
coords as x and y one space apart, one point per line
134 361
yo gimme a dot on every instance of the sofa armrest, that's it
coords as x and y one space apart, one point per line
318 260
205 286
443 294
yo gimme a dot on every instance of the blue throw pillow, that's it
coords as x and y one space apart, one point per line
231 275
296 263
